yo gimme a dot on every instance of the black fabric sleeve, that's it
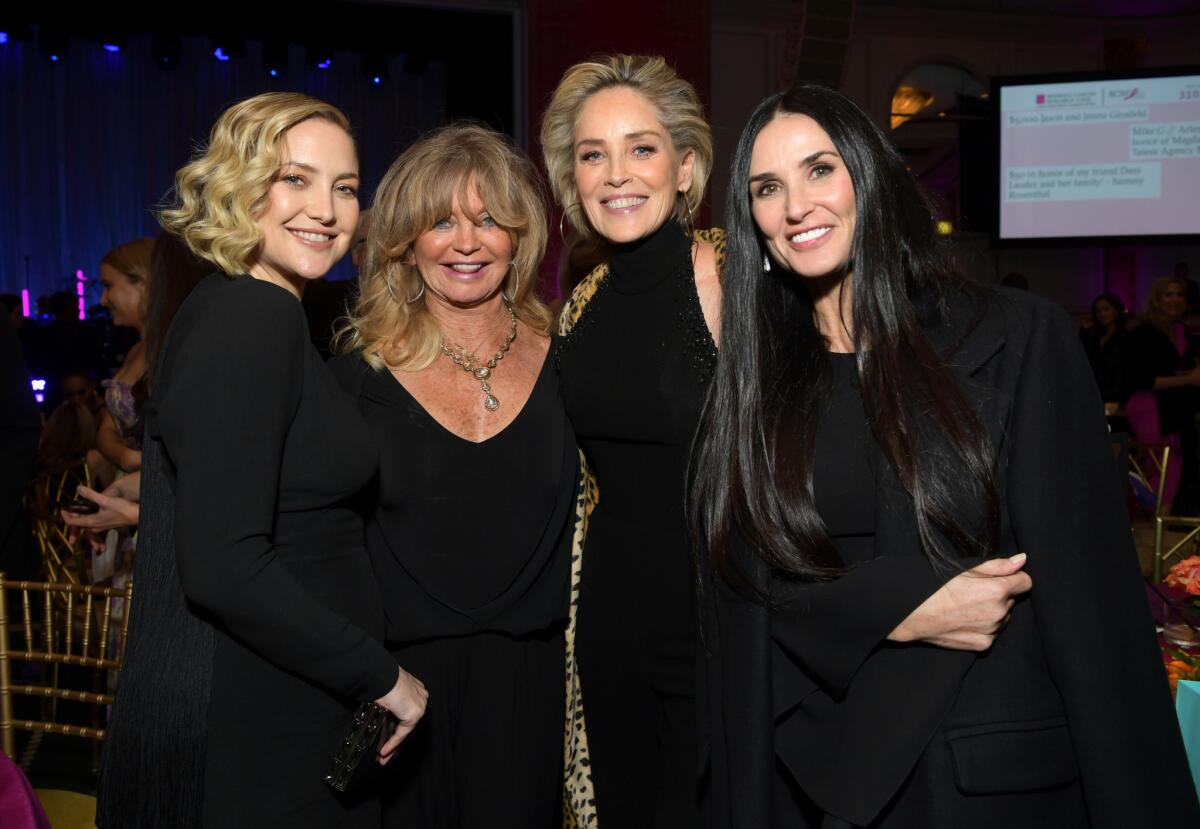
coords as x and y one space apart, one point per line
1087 592
831 628
235 385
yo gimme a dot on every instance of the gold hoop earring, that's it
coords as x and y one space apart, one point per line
686 220
512 263
420 294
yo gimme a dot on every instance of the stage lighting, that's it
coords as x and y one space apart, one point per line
165 50
274 57
375 68
319 57
54 43
228 47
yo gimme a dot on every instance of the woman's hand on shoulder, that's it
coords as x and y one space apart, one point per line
407 700
968 611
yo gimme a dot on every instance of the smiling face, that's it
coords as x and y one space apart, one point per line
465 257
125 298
312 207
627 170
802 197
1172 302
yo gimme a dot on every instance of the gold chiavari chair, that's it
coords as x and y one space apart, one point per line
1156 460
61 624
64 562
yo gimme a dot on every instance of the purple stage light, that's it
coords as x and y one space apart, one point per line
324 64
79 280
25 302
112 47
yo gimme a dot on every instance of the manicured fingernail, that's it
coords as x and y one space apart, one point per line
1017 559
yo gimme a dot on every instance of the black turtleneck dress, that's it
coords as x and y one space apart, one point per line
634 371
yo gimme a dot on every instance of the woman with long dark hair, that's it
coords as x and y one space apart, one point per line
886 457
1106 342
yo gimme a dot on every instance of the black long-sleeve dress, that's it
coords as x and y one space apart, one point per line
471 545
232 704
634 367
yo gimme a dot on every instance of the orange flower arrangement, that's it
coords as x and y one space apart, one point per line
1186 576
1182 667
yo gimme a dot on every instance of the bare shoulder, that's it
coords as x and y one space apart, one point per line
708 257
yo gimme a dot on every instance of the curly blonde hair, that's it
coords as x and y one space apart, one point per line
679 112
417 191
227 183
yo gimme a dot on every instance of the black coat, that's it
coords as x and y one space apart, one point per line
1066 721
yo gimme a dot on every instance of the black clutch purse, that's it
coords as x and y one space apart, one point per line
357 760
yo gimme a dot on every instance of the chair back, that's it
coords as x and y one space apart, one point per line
60 624
62 561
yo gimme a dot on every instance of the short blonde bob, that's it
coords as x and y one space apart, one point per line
227 183
679 112
390 325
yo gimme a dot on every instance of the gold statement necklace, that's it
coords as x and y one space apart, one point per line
477 368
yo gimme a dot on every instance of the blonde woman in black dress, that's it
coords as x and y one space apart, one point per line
470 529
628 152
254 633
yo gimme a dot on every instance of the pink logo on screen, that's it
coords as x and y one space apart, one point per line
1041 99
1132 94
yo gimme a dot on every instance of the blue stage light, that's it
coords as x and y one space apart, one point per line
324 64
274 73
111 47
220 55
3 38
54 57
376 79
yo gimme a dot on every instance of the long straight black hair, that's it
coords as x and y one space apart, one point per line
751 468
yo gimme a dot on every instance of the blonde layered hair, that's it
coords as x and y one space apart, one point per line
1154 314
679 112
390 325
220 192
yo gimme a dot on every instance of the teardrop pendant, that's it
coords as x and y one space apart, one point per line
491 403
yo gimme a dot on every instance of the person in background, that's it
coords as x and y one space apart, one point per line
125 273
79 387
628 153
1106 343
20 424
1164 380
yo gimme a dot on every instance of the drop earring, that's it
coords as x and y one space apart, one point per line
766 264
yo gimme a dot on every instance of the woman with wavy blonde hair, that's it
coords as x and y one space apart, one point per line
628 153
450 360
255 629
